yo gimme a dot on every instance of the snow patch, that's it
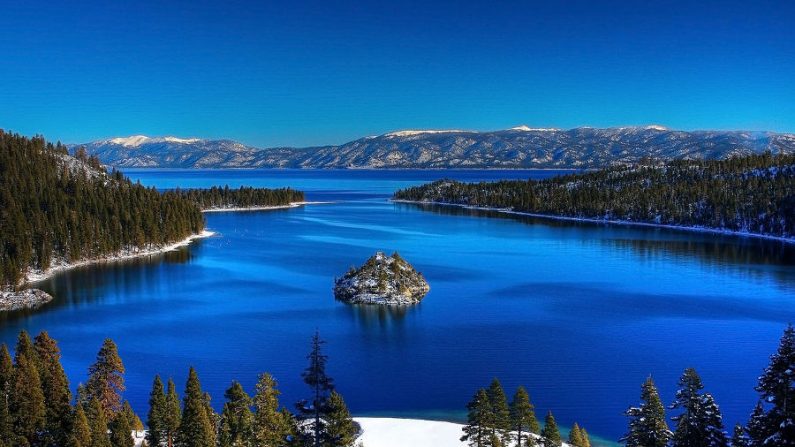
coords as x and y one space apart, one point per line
408 133
524 128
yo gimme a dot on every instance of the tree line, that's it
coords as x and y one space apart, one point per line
754 194
37 409
57 208
699 422
493 422
225 197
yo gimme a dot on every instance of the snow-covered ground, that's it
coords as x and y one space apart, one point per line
33 275
393 432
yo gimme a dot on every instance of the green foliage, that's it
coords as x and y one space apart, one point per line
57 208
236 419
155 420
340 428
739 437
196 428
272 425
98 423
219 198
6 384
80 433
523 418
173 414
647 425
106 379
777 388
55 387
28 411
121 430
477 430
321 385
753 194
699 424
500 413
550 433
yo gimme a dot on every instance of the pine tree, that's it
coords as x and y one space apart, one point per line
476 430
80 433
25 347
500 412
272 426
28 411
173 414
700 423
739 437
586 440
135 422
98 423
55 387
757 428
647 426
321 384
121 430
195 428
777 387
340 429
106 379
156 435
523 418
575 436
236 418
6 384
550 434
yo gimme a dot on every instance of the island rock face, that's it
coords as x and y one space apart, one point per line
23 299
385 280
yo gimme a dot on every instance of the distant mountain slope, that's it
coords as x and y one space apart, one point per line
519 147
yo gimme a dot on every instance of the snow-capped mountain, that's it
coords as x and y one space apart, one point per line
518 147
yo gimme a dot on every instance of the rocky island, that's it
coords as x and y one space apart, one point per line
23 299
384 280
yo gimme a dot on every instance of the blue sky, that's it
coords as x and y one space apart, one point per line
302 73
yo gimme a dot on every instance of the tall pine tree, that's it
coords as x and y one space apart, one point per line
80 430
777 387
647 426
757 428
98 423
340 429
699 424
156 434
476 430
195 429
550 434
321 384
500 413
55 386
28 411
121 430
523 418
106 379
236 419
272 425
173 414
739 437
6 384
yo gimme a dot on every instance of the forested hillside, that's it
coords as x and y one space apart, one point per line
754 194
55 207
220 198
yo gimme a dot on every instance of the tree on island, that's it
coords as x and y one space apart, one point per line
550 434
523 418
700 423
647 426
776 427
314 432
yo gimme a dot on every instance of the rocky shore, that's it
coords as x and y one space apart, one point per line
23 299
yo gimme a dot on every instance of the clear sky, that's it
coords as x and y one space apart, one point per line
302 73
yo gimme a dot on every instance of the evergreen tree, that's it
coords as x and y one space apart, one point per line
476 430
121 430
777 387
758 429
739 437
575 436
25 348
700 423
80 433
321 384
500 412
28 411
272 426
55 387
106 379
586 440
523 418
236 418
156 434
340 429
647 426
6 384
135 422
173 414
550 434
195 428
98 423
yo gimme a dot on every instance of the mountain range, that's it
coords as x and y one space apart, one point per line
518 147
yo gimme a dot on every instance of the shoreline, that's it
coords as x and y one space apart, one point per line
260 208
34 276
716 231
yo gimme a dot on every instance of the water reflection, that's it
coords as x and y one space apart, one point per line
381 317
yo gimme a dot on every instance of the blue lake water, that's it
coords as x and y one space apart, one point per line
580 314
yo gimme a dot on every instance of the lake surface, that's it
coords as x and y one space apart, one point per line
579 313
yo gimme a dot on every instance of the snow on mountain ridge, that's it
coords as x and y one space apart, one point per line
138 140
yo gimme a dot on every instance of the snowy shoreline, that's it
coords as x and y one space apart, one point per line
260 208
32 276
789 240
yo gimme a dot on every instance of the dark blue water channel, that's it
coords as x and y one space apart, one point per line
580 314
